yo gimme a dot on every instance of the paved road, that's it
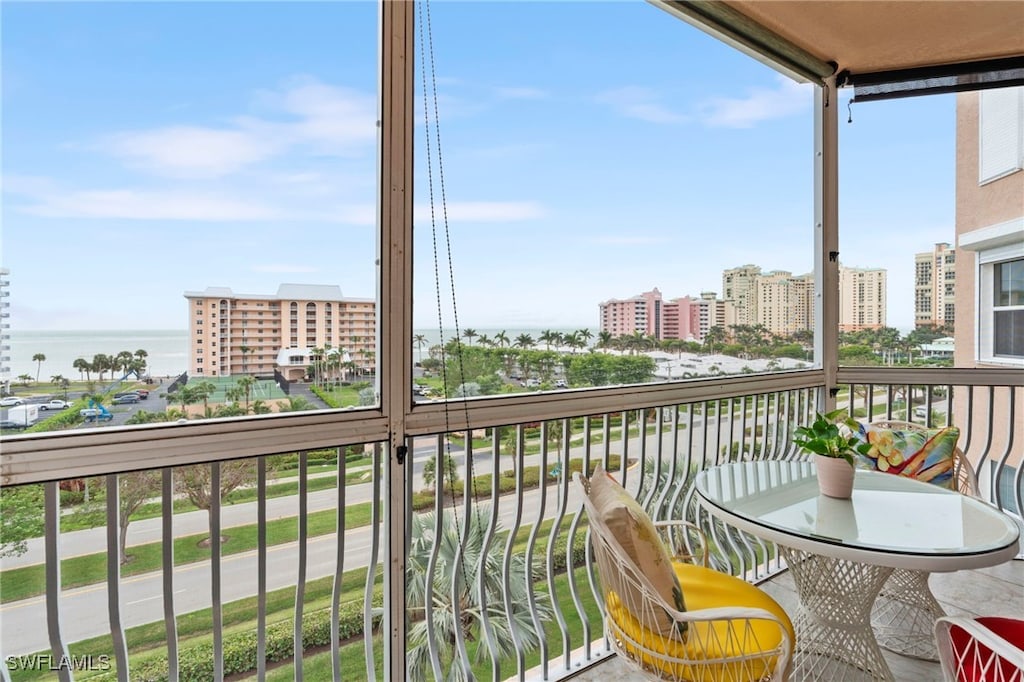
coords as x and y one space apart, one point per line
84 609
90 541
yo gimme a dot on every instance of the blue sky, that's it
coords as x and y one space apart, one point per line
591 151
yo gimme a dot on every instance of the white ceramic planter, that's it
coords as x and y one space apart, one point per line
835 476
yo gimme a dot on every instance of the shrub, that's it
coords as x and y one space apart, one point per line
195 663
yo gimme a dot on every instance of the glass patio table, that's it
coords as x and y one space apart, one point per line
841 552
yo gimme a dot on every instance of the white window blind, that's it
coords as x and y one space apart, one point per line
1001 136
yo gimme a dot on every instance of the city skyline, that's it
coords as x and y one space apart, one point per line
576 164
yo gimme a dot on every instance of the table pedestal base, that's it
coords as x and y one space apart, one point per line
905 613
834 639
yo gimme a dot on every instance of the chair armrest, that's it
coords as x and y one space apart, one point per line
685 541
978 634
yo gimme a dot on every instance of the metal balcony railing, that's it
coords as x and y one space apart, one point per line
499 578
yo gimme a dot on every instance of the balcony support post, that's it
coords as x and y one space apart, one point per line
826 237
394 324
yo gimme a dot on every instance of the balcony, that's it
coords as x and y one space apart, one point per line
302 556
332 545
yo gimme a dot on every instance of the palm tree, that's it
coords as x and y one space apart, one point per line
419 340
714 337
40 359
60 381
203 390
546 337
470 334
501 338
480 587
245 385
123 361
584 335
524 341
101 363
82 365
604 339
244 350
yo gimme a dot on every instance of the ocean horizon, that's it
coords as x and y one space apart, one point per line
167 348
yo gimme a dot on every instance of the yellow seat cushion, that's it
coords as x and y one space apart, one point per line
706 641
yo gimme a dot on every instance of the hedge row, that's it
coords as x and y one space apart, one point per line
195 664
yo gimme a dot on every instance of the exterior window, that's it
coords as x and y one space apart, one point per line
1008 309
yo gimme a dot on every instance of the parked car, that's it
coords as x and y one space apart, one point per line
11 401
126 399
55 405
143 393
921 412
560 383
532 383
10 424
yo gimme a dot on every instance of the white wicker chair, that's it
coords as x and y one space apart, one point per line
977 650
905 611
730 643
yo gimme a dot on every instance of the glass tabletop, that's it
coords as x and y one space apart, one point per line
886 513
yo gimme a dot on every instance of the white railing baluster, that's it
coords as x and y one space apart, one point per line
58 648
167 570
300 585
215 574
339 563
114 577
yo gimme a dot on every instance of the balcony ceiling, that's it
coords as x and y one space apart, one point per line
863 36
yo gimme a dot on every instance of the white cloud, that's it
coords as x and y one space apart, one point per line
283 268
328 120
486 211
188 151
760 104
640 103
146 205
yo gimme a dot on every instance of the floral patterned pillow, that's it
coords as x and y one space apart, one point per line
924 454
636 534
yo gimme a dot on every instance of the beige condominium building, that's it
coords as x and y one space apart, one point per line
989 328
935 287
862 298
256 334
783 303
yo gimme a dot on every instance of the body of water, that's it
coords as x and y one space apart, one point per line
167 348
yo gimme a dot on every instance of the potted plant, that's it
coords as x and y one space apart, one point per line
832 439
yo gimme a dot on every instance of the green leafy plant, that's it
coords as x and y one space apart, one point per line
831 435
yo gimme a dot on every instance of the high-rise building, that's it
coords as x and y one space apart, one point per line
784 303
935 287
685 318
641 313
862 298
738 287
5 329
257 334
709 311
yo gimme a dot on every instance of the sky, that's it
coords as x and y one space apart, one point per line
589 151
